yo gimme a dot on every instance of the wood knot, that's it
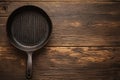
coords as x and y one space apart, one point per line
3 8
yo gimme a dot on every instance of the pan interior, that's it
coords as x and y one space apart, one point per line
29 28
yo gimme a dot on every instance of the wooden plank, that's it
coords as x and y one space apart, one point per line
75 23
63 8
61 0
62 63
71 31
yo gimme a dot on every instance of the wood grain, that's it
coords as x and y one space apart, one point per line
76 49
62 0
78 36
65 8
78 24
63 63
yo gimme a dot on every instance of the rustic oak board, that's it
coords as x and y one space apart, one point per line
65 8
77 36
63 0
63 63
75 23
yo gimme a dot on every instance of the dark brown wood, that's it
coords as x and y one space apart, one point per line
73 33
61 0
65 8
76 23
76 50
56 63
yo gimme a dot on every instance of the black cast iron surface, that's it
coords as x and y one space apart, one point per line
28 29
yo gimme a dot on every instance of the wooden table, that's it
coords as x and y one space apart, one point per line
85 42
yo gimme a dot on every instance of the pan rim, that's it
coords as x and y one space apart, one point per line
9 32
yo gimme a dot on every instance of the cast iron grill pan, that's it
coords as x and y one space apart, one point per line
28 29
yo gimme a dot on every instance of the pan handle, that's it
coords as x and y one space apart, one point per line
29 65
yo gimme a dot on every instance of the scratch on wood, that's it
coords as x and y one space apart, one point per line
10 58
22 62
5 49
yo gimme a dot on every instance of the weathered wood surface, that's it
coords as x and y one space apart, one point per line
62 0
75 23
65 8
63 63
